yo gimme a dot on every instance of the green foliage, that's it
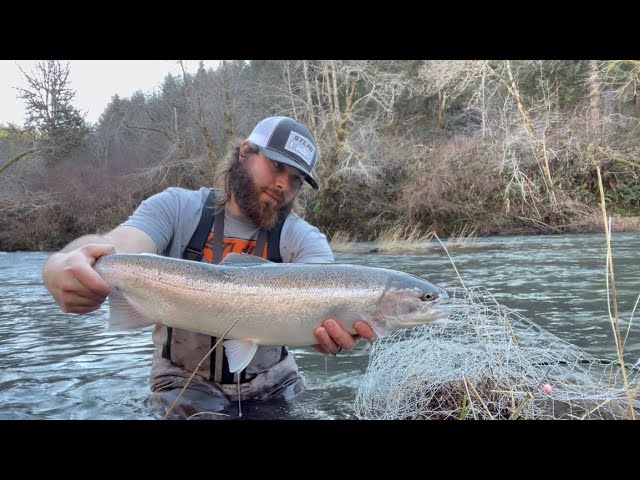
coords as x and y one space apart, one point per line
624 199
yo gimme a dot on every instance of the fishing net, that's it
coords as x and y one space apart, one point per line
485 361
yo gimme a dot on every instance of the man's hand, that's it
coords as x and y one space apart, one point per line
332 337
69 274
73 282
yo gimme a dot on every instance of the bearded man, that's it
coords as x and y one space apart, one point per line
252 215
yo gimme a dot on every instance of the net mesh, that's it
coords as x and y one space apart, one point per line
485 361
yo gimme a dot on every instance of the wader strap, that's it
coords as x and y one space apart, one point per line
217 361
199 237
260 243
273 243
218 238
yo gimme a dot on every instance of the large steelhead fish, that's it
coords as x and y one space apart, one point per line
273 303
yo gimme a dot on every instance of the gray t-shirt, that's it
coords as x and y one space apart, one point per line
170 218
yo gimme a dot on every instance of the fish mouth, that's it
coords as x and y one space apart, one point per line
442 296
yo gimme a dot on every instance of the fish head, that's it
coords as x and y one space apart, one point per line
409 301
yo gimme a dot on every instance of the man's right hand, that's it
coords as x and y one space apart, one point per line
73 282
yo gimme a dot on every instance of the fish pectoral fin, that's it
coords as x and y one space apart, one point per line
124 314
373 319
379 326
239 353
380 331
243 260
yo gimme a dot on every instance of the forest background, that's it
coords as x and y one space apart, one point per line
460 148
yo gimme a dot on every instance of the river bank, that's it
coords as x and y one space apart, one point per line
400 240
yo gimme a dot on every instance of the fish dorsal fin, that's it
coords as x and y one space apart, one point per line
243 260
239 353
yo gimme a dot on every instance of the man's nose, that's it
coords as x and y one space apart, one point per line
282 180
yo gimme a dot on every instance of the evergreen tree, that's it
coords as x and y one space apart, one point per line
60 127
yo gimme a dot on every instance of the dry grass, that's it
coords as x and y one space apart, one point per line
411 238
342 241
625 224
612 299
593 223
463 400
464 238
403 238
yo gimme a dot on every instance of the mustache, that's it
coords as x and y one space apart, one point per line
276 193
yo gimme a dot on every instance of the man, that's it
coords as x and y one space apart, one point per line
252 215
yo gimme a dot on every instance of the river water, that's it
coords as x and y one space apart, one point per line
64 366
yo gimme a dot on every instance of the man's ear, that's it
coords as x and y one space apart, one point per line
244 149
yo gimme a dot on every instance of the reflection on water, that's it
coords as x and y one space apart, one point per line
58 366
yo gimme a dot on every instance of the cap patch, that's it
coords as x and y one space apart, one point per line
301 146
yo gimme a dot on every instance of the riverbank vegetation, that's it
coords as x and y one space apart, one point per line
407 149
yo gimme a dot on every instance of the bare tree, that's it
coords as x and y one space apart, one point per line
229 123
7 164
595 99
623 76
195 109
449 79
50 113
338 97
517 110
613 80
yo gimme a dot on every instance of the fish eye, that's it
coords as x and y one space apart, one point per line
426 296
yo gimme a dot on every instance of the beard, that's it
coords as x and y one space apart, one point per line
247 195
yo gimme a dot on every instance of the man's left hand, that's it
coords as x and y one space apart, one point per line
332 338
